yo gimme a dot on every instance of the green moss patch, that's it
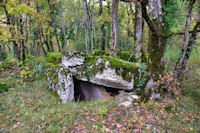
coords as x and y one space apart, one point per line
38 61
120 64
51 65
124 55
54 58
127 56
123 68
74 53
127 69
98 52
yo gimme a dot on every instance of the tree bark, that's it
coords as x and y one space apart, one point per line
114 29
92 33
188 44
102 26
53 22
11 23
63 26
22 40
109 25
3 54
138 31
128 28
156 46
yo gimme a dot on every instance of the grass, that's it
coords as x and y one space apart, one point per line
31 107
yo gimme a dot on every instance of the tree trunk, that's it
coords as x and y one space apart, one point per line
92 34
50 41
59 48
114 29
3 54
63 26
188 44
102 27
138 31
22 40
41 43
128 28
89 25
11 23
45 41
109 25
53 22
86 38
156 47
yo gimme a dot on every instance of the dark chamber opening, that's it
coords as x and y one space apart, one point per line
86 91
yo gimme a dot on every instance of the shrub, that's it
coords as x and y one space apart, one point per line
4 87
6 65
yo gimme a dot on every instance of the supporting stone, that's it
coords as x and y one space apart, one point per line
61 81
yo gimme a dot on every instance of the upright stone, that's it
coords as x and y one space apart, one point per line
66 85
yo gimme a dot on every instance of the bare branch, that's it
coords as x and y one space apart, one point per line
179 34
147 19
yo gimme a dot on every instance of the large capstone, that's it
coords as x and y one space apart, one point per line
106 75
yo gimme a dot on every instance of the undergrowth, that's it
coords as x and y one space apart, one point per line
31 107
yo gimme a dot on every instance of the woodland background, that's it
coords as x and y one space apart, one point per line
162 35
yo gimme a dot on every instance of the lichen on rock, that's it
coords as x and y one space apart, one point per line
59 79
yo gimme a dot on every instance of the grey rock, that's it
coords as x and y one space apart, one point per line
108 77
61 82
72 59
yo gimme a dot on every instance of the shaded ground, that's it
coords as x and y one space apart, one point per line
30 107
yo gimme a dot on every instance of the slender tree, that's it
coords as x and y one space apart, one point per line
103 43
138 30
188 44
114 29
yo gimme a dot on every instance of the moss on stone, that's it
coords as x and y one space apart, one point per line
120 64
51 65
123 68
38 61
125 55
52 70
127 69
54 58
66 53
98 52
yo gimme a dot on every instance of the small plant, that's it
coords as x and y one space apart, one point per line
102 112
169 108
4 87
6 65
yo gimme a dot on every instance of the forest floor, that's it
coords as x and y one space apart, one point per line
31 107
